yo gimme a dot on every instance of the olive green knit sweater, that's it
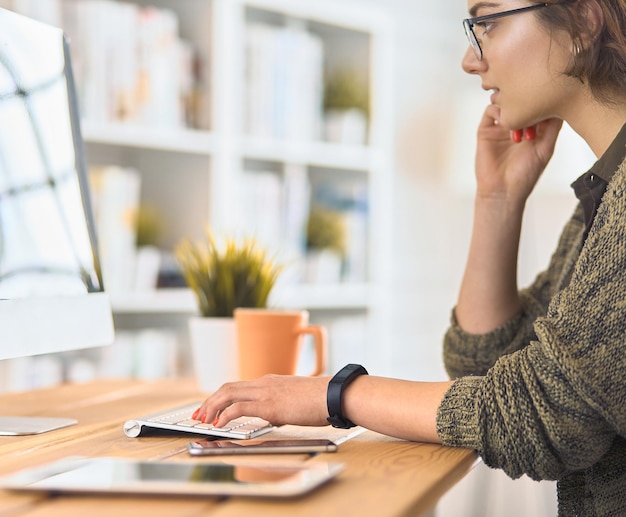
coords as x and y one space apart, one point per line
545 394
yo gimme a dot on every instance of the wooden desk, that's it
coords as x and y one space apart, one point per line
383 476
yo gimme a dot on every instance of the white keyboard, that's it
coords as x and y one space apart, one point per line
179 419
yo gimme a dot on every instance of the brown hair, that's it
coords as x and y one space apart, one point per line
599 50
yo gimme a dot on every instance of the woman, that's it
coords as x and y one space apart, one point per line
539 384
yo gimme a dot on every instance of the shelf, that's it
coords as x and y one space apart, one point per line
179 301
182 301
181 140
323 297
322 154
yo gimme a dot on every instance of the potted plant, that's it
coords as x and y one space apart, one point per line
326 245
346 107
238 274
149 226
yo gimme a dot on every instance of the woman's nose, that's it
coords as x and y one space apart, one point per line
470 63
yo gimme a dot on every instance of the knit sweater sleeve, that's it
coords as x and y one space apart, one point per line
474 354
556 404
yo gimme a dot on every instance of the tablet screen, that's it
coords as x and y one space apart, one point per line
118 475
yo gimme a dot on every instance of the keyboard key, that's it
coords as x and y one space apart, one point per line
245 429
188 423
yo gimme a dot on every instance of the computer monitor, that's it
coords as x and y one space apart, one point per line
51 292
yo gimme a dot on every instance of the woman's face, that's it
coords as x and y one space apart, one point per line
522 64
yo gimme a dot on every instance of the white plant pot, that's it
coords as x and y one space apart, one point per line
323 267
214 351
346 126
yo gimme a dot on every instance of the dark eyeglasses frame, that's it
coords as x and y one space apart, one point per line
468 25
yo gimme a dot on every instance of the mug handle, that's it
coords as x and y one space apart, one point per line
320 337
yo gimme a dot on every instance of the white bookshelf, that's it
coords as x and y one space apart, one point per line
194 175
311 296
191 141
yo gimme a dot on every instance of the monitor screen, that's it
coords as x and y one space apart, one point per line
51 293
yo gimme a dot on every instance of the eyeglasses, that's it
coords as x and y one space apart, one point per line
469 23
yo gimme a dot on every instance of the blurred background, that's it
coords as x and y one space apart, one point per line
340 134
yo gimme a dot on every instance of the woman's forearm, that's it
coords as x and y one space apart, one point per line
403 409
489 296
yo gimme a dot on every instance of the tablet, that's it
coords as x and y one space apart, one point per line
124 476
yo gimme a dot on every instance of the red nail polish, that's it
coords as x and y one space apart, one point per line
530 133
215 421
516 135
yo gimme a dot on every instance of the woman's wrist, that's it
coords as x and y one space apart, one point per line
335 393
501 204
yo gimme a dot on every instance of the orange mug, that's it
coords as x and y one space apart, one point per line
270 341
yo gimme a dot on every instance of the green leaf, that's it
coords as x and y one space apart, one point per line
239 275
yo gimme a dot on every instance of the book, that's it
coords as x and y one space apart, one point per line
284 82
261 202
115 195
275 208
130 63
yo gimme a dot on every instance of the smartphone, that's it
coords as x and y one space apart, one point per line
258 446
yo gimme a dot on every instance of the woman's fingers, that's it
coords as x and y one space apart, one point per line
528 133
214 406
275 398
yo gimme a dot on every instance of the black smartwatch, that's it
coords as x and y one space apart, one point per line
334 396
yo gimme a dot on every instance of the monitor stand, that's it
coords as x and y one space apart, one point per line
25 425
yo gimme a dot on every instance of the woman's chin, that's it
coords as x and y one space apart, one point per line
513 124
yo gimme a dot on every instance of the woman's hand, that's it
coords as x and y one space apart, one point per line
509 163
279 399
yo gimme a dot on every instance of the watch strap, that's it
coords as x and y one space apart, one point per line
334 397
